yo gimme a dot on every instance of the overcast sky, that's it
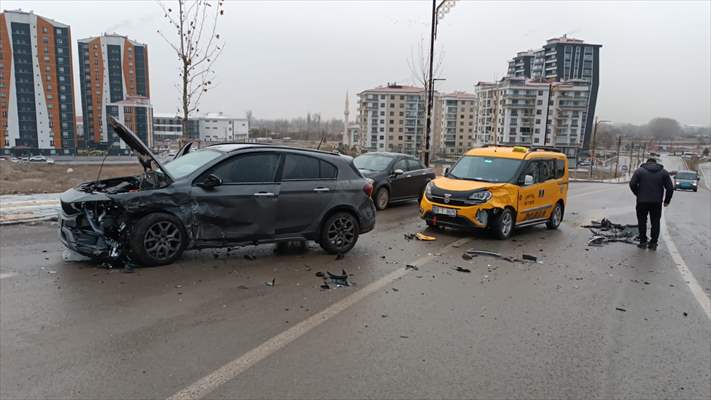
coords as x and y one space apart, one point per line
287 58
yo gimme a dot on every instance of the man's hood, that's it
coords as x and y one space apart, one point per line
653 167
147 159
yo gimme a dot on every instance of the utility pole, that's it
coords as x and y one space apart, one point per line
438 12
617 162
430 84
592 147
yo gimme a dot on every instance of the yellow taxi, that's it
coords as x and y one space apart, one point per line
499 188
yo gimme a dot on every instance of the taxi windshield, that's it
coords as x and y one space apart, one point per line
485 169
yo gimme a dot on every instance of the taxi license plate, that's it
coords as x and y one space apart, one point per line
450 212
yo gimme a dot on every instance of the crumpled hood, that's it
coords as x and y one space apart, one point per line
144 154
653 167
460 185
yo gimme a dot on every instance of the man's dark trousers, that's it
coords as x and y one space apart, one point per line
655 215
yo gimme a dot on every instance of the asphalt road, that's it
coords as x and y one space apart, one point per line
209 325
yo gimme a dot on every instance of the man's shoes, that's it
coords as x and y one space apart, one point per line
642 244
652 246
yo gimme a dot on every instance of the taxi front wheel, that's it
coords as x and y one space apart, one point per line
504 224
556 217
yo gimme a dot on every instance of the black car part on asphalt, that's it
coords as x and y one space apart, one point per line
152 218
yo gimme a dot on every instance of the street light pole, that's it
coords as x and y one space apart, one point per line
592 147
438 12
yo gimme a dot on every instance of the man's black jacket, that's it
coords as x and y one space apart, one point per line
651 183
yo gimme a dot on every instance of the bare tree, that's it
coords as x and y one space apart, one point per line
197 45
419 65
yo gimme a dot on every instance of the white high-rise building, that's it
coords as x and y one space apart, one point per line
393 118
532 113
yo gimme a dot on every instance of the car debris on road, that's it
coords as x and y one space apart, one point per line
606 231
336 280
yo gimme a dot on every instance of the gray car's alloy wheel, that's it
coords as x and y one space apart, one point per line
157 239
339 233
162 240
382 198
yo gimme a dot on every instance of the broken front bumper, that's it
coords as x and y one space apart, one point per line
76 234
467 217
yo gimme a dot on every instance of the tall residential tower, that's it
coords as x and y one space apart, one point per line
36 87
564 59
113 72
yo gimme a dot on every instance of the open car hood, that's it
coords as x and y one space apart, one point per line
148 160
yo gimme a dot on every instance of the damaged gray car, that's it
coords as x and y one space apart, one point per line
220 196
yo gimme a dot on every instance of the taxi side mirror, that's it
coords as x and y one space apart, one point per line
446 171
528 180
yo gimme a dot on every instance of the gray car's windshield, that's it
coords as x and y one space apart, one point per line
686 176
190 162
487 169
372 162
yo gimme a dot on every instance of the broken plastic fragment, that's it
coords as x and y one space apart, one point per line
272 283
460 269
529 257
423 237
412 267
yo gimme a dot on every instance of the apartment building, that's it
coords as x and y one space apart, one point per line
457 130
394 117
113 74
532 113
521 65
169 127
563 59
36 86
217 127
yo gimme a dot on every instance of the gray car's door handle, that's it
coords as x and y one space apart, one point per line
322 189
264 194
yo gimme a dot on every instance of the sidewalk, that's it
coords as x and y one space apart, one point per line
16 209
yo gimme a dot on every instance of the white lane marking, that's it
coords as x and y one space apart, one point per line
686 274
6 275
232 369
591 192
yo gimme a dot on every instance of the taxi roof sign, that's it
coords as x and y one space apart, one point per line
520 149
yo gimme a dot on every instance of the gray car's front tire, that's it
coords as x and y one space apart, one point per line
339 233
157 239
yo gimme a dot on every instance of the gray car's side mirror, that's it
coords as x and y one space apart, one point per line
528 180
210 182
398 172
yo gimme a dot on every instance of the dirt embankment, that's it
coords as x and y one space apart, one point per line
29 178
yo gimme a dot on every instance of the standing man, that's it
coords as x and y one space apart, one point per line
651 183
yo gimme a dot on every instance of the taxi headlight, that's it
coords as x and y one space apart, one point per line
428 190
480 197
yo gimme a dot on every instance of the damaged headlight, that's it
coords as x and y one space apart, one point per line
480 197
428 190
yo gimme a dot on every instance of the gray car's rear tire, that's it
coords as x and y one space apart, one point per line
157 239
382 198
339 233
